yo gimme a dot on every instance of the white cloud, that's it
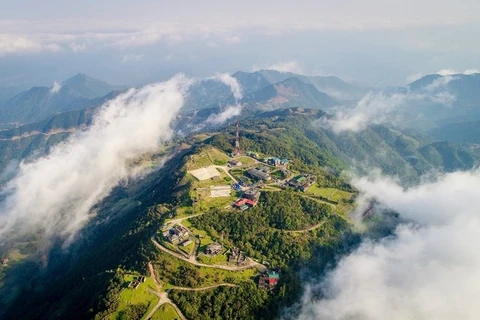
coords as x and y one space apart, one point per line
12 44
451 72
55 88
373 108
228 113
132 58
446 72
230 81
430 269
414 77
286 66
76 47
382 107
232 39
55 193
471 71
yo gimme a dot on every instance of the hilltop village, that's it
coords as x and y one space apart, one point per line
196 256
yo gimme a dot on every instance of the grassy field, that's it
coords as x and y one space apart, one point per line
204 237
165 312
218 259
329 193
246 161
188 249
208 156
200 137
136 296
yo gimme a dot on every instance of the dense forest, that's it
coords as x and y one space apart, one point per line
263 231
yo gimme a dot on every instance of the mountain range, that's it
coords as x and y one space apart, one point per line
287 231
38 103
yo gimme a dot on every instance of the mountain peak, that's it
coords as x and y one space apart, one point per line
85 86
79 78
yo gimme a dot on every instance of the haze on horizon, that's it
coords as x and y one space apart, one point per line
129 43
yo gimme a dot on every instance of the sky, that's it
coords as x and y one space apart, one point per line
135 43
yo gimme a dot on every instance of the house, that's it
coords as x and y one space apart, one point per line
237 257
268 280
283 161
302 182
213 249
5 261
274 161
135 283
176 234
260 173
234 163
240 203
252 154
252 194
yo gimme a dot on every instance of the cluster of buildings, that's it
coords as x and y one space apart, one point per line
302 182
237 257
135 283
249 199
268 280
176 234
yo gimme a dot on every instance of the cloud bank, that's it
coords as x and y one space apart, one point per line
430 269
230 81
228 113
451 72
231 110
384 107
55 193
284 66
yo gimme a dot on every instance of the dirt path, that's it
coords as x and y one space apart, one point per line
163 299
204 288
152 275
318 225
252 264
225 169
179 220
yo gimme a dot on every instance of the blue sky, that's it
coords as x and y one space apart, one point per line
126 42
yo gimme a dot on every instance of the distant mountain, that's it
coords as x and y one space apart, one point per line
87 87
211 93
36 138
461 132
38 103
462 92
8 92
291 92
331 85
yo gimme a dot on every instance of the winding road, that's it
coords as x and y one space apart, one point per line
203 288
193 260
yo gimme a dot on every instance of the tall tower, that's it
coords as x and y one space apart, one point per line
237 149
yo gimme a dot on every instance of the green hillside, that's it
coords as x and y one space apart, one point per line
39 103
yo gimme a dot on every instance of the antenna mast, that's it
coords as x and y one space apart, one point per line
237 149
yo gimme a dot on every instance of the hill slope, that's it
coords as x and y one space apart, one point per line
291 92
38 103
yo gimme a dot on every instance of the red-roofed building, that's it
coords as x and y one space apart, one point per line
268 280
244 201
